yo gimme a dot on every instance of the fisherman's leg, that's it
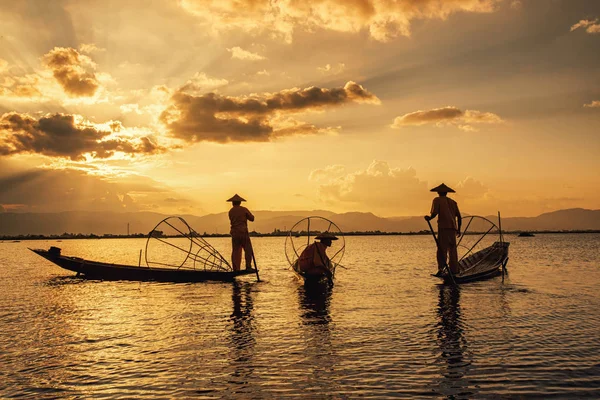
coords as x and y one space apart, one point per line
453 253
442 250
248 252
236 253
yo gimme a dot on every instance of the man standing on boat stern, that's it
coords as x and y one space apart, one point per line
449 224
240 239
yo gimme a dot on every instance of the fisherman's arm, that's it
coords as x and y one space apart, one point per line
434 210
249 216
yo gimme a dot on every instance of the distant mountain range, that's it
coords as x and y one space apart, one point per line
100 223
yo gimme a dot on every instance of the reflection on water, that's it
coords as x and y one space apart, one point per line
453 344
386 330
242 332
314 298
319 355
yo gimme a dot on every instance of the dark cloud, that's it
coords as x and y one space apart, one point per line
71 72
59 135
61 191
217 118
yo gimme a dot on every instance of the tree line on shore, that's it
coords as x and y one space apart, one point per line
275 233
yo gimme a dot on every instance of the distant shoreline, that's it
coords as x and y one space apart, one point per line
257 234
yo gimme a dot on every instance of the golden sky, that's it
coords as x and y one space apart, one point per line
346 105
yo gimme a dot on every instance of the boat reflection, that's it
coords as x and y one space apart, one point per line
453 345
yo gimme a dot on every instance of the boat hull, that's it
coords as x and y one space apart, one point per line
105 271
484 264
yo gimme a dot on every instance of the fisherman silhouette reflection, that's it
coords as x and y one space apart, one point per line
319 355
314 298
242 318
452 344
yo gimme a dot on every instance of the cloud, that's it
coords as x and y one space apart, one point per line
75 72
12 85
329 172
588 25
333 70
447 115
72 189
201 82
382 19
217 118
471 188
241 54
379 188
68 136
90 48
593 104
388 191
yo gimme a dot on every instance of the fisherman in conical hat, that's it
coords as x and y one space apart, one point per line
240 239
449 224
313 261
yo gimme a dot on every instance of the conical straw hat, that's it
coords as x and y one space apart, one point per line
325 236
442 189
236 197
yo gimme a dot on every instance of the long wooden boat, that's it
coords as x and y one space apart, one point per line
484 264
174 253
106 271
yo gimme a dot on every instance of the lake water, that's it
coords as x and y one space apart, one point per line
387 329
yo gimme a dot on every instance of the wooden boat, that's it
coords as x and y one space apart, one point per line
299 238
201 261
106 271
483 264
483 253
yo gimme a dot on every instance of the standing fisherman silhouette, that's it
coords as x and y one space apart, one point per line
240 239
449 224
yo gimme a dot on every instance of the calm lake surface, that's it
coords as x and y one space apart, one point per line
387 328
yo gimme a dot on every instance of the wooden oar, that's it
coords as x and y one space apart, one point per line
437 244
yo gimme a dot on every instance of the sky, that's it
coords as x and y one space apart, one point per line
344 105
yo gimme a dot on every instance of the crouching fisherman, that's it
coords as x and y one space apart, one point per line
313 262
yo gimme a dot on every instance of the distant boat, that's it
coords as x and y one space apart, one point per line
526 234
178 254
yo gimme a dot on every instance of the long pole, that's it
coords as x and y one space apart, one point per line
254 259
438 246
